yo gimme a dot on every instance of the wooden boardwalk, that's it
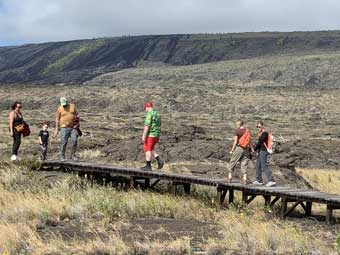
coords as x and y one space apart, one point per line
289 197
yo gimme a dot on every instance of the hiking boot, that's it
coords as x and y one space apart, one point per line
14 157
146 168
244 180
160 165
74 158
228 178
271 184
257 182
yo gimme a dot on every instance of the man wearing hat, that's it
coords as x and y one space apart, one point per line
151 134
66 116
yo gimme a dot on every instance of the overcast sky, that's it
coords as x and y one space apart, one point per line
23 21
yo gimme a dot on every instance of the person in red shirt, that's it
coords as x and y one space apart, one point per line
239 152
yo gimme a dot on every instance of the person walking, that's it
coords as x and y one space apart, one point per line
16 127
262 158
43 140
240 152
151 134
66 117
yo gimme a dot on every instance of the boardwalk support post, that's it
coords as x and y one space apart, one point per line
231 196
308 209
187 188
284 203
173 188
267 200
221 194
329 214
146 183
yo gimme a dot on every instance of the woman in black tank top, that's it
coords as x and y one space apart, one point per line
15 119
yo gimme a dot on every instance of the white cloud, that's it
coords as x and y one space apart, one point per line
46 20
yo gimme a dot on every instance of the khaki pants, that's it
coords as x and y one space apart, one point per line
239 155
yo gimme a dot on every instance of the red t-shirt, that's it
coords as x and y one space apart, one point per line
239 132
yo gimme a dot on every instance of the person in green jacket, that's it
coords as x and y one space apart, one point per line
151 134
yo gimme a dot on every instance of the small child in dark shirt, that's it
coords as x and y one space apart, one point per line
43 139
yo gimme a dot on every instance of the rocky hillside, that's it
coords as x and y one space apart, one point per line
74 62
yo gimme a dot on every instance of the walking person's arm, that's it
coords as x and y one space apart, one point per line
11 120
252 147
76 118
234 144
147 125
146 130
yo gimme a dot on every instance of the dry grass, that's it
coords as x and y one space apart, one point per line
248 229
90 154
326 180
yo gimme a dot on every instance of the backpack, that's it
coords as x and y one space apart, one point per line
270 146
245 139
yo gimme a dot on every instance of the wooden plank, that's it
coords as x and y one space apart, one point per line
273 202
154 184
292 208
219 199
249 200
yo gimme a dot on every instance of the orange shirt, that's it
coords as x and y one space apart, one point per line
67 115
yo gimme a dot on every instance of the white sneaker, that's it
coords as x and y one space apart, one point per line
257 183
14 157
271 184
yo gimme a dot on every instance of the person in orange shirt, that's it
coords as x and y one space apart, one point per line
65 117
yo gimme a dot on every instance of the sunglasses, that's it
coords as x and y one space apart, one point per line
258 126
19 107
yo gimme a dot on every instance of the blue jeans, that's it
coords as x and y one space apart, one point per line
65 134
44 151
262 165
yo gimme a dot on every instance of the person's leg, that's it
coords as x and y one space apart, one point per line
148 155
157 157
235 158
44 151
265 167
258 169
244 167
64 135
16 143
74 139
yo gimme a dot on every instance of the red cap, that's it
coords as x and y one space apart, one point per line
148 104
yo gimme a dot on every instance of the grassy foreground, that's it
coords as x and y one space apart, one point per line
30 204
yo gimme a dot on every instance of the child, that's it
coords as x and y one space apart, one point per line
43 139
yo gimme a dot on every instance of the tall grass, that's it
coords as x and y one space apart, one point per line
323 179
250 229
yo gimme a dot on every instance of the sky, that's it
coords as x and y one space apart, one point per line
34 21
